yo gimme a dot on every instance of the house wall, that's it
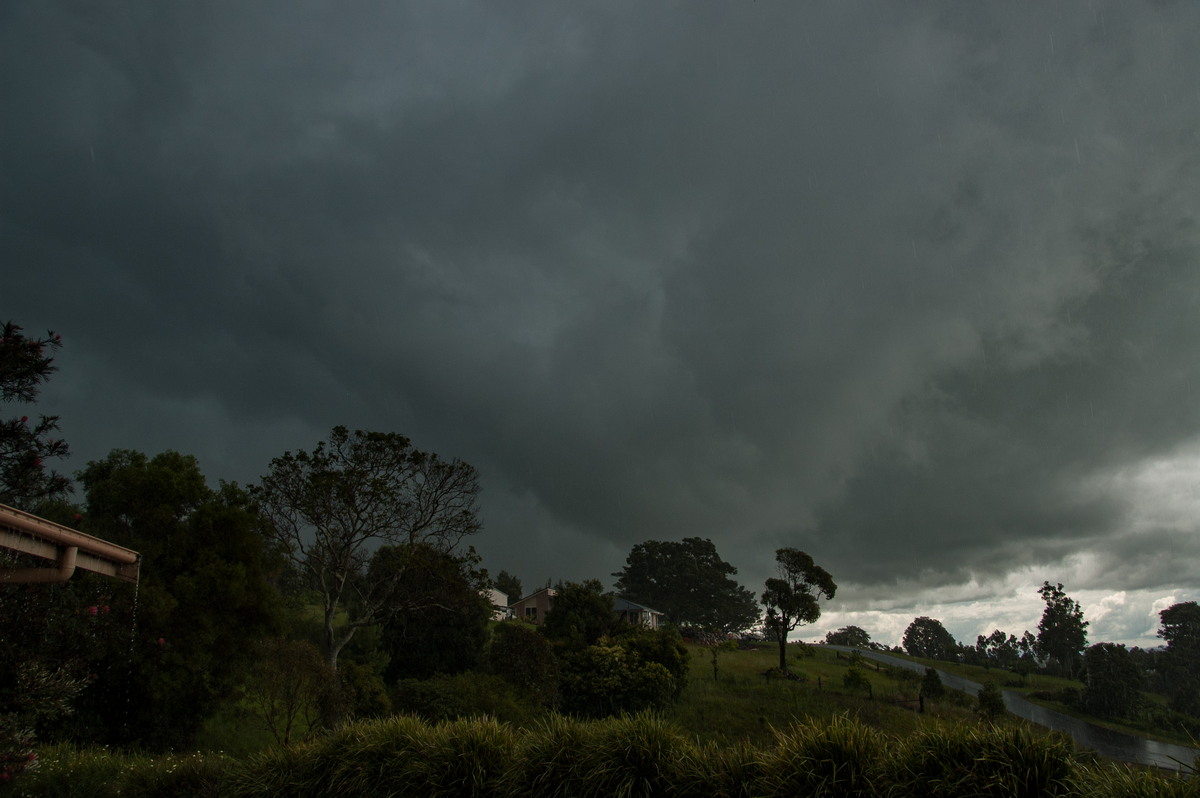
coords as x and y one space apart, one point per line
533 608
499 604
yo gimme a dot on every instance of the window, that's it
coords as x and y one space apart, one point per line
531 614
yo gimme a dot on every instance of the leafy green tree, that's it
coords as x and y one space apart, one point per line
522 656
1114 681
793 597
1180 628
640 670
664 646
853 636
581 614
329 509
1062 632
926 637
510 586
203 600
437 616
26 363
1027 655
688 582
998 649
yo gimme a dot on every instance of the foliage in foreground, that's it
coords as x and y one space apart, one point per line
628 755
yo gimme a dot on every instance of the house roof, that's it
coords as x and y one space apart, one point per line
625 605
27 533
548 590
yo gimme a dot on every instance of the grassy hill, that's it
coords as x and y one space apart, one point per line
735 732
740 703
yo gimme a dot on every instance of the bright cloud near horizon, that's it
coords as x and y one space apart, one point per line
912 287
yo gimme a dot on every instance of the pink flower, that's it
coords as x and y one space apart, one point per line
106 609
92 610
78 516
161 641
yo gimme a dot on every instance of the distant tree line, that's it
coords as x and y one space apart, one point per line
1114 679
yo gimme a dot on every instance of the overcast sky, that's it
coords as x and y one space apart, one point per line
914 287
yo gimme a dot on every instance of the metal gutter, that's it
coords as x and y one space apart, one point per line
69 549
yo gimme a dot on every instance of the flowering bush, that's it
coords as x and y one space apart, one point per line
38 692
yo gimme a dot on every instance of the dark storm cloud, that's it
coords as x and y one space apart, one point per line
893 283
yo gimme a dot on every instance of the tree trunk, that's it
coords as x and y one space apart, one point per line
782 635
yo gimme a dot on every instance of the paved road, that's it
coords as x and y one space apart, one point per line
1106 742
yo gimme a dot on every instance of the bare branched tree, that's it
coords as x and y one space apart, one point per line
333 508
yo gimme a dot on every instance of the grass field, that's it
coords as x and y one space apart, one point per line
733 733
1035 686
742 704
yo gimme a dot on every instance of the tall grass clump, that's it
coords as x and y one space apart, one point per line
466 758
834 757
644 755
364 758
1125 781
631 755
983 761
399 756
729 771
554 757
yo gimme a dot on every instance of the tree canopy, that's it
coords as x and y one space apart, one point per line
1113 680
688 582
436 618
926 637
509 585
581 614
999 649
203 599
26 363
1062 632
1181 630
854 636
792 598
331 508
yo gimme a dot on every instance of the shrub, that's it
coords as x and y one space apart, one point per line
642 755
931 685
990 701
464 695
522 656
604 680
626 755
640 671
855 680
836 757
664 646
990 761
287 687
